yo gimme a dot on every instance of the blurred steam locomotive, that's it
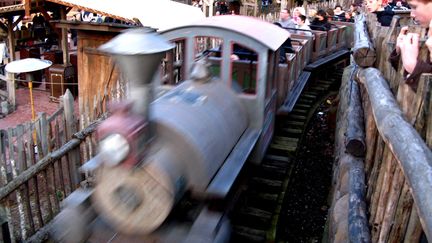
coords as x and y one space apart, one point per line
189 125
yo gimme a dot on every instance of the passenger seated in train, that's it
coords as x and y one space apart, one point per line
382 10
407 45
339 14
320 22
285 48
285 19
301 25
299 11
348 17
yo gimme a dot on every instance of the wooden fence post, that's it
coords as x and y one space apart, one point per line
363 50
71 128
11 89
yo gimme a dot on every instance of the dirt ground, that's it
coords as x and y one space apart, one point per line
306 205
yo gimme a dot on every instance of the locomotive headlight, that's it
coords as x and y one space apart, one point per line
115 148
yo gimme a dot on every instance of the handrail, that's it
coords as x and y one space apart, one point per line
407 146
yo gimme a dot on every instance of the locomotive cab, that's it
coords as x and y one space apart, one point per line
254 76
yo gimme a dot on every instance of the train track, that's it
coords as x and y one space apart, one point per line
256 215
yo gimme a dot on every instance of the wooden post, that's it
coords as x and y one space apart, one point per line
64 39
70 122
363 50
27 6
405 143
11 39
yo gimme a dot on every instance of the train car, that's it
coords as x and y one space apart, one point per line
189 129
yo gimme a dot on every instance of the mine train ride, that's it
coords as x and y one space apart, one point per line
190 123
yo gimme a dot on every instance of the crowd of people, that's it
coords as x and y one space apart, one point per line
315 19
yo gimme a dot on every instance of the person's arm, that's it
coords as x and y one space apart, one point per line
412 78
410 51
394 59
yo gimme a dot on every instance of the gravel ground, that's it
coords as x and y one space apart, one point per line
305 206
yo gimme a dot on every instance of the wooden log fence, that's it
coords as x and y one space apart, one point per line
408 148
39 164
397 167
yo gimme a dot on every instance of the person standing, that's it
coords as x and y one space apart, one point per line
407 45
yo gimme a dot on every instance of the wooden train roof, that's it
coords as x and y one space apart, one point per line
159 14
266 33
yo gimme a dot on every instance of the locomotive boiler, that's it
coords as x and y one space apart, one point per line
152 151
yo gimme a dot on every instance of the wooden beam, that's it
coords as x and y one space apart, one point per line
17 21
11 41
27 7
68 9
3 27
64 38
47 19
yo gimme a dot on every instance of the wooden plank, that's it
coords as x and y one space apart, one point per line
375 177
52 179
3 152
413 231
31 160
10 135
42 152
44 132
7 206
60 162
11 90
390 210
381 194
11 39
19 201
19 140
70 127
22 166
371 133
403 211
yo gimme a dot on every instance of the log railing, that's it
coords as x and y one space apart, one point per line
405 148
397 167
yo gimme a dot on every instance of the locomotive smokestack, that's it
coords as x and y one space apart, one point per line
138 53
